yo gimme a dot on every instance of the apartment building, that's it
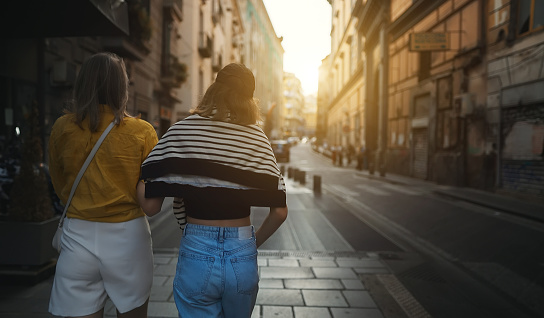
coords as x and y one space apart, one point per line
211 37
262 52
292 112
515 94
447 91
346 92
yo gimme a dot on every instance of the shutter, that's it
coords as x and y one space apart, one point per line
522 164
421 153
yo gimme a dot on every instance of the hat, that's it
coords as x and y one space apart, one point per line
238 77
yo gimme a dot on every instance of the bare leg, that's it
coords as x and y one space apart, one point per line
140 312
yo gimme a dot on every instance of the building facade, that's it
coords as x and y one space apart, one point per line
345 67
262 52
292 113
211 37
515 95
447 91
323 101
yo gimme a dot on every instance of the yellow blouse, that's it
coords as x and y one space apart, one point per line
107 191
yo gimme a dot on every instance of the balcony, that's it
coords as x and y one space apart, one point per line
173 72
217 62
174 8
205 45
136 45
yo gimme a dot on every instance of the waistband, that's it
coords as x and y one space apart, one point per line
243 232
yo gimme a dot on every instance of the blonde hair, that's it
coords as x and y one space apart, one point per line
230 97
102 80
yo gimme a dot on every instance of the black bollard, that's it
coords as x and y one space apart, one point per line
295 174
317 183
302 177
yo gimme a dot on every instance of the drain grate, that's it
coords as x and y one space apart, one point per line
404 298
312 254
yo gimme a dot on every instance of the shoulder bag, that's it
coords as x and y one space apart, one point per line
58 234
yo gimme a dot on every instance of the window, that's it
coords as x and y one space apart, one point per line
530 16
353 56
424 65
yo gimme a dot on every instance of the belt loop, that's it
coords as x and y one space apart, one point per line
221 237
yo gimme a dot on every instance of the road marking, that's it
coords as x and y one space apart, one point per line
344 191
372 189
401 189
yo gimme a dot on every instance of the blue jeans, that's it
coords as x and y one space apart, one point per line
217 273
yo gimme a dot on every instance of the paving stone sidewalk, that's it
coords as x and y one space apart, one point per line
292 284
295 284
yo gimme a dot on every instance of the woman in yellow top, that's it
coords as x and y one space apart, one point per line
106 244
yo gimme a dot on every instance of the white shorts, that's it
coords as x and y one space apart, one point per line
98 260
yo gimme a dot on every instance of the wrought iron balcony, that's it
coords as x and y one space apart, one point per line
205 45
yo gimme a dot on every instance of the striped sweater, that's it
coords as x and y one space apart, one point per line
214 170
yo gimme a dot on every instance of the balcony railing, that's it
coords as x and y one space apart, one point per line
205 45
175 7
217 62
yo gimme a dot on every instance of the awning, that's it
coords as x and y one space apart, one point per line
63 18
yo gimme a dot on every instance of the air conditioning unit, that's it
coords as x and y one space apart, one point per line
62 73
464 104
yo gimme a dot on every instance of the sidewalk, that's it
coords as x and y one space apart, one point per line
296 283
293 284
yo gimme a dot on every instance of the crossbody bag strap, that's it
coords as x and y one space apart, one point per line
83 168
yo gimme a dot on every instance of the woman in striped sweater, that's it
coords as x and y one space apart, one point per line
217 164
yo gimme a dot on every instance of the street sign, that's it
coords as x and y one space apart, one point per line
430 41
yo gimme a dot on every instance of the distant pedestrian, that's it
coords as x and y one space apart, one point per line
217 163
350 153
360 157
106 247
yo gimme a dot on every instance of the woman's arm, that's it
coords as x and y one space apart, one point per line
151 206
272 222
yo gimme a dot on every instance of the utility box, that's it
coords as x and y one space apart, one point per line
464 104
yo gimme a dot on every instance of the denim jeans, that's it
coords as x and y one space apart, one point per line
217 272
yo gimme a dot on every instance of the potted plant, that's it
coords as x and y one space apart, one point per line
140 25
28 228
180 72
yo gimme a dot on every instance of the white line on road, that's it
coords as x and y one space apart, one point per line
344 190
401 189
372 189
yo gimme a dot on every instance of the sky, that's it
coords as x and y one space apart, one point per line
305 26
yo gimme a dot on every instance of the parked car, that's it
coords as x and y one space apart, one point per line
281 150
293 141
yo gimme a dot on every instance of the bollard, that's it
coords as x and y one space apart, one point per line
302 177
290 174
317 184
295 174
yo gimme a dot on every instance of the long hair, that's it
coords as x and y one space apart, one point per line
230 97
102 80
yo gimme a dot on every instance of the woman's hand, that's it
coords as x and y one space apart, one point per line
150 206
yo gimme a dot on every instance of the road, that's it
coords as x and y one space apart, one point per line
442 250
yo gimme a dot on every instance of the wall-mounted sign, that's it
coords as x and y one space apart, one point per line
166 113
435 41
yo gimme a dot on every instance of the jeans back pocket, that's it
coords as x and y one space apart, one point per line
193 273
246 272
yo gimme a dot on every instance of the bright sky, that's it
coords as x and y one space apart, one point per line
306 27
